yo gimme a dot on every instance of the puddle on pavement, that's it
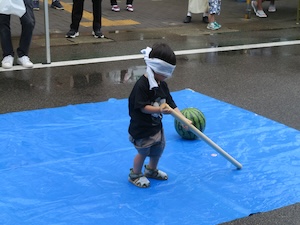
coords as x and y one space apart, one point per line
130 75
123 76
132 35
80 78
26 80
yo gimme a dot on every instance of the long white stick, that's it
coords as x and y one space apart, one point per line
198 133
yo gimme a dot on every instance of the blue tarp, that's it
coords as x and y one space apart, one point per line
69 165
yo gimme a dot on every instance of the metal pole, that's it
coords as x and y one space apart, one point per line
47 32
248 9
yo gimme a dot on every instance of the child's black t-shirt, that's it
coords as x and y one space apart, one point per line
144 125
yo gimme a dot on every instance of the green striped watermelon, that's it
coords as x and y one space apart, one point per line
198 119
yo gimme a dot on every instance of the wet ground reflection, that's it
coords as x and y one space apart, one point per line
82 81
130 75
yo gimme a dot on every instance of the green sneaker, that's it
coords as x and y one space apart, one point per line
213 26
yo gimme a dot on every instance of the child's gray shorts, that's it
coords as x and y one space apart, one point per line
150 146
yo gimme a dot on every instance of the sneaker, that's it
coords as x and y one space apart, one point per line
7 62
261 14
98 34
57 5
217 24
213 26
129 8
272 8
254 5
72 34
115 8
36 5
25 61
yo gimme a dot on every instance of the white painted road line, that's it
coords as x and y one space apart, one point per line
140 56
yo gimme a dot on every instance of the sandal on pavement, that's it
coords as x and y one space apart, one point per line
138 180
155 174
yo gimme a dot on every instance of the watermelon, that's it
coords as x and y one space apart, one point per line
198 119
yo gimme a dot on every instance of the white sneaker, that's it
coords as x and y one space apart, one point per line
115 8
8 62
129 8
272 8
25 61
261 14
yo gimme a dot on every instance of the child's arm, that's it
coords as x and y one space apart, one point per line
168 109
149 109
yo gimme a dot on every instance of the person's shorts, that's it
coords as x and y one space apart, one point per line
150 146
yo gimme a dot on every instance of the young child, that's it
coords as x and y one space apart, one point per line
214 7
145 129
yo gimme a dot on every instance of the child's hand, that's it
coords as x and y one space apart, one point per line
166 110
186 127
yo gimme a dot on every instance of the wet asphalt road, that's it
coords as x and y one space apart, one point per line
265 81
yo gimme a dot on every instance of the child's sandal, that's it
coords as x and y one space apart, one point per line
138 180
155 174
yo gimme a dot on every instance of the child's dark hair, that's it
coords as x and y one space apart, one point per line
164 52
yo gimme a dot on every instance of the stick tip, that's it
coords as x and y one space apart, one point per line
239 167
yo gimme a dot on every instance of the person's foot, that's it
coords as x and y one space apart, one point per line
7 62
213 26
72 34
272 8
25 61
217 24
129 8
205 19
187 19
98 34
57 5
155 173
138 179
261 14
115 8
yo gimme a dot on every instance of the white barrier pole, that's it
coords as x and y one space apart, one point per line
47 32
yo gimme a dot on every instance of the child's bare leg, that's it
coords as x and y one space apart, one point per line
153 162
138 163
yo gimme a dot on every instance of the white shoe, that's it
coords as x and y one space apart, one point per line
25 61
272 8
261 14
129 8
8 62
115 8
